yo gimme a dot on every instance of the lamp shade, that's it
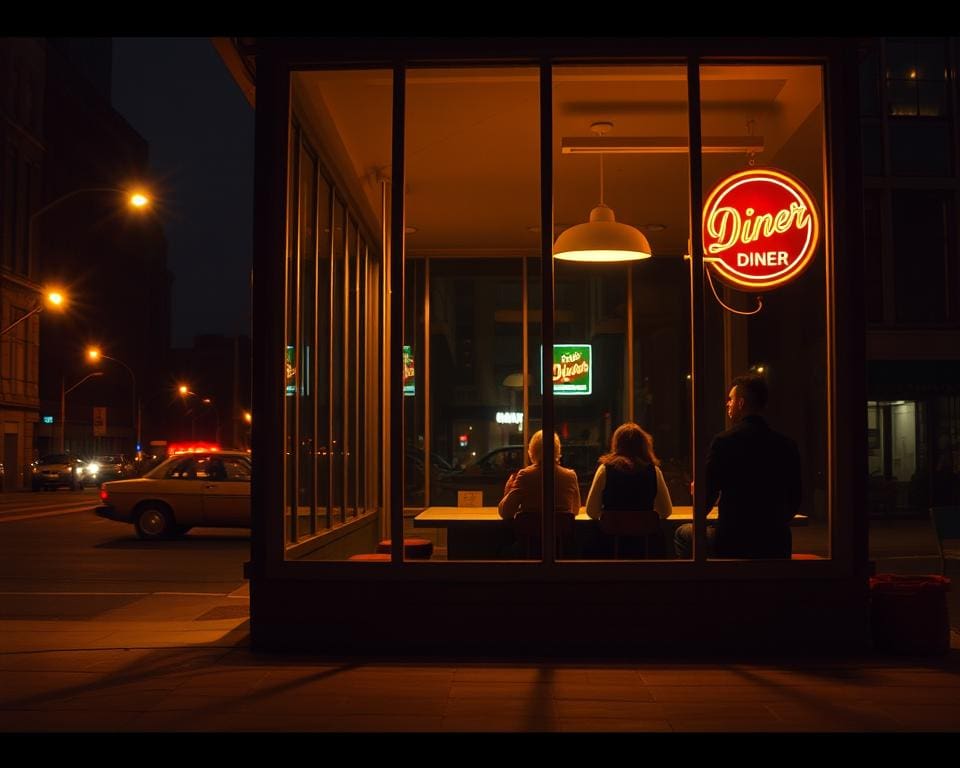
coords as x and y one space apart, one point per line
603 238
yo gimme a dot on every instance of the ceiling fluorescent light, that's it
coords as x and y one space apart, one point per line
635 145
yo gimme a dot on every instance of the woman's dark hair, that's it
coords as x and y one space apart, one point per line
631 448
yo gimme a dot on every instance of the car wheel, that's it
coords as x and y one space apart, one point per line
154 522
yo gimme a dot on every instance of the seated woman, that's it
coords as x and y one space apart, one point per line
523 487
629 478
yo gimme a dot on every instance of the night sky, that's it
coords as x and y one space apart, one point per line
177 93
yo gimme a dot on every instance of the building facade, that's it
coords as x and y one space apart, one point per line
408 197
22 77
908 107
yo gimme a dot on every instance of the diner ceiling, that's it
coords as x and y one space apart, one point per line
472 159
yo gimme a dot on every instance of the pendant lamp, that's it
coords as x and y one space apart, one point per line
603 238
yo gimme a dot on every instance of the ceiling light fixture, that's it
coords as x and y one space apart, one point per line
603 238
659 145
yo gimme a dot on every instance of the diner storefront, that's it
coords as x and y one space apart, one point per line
428 294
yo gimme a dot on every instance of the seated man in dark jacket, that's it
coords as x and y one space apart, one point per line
755 472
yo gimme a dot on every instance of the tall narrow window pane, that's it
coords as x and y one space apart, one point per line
785 341
292 276
472 223
339 174
621 328
924 256
337 365
307 345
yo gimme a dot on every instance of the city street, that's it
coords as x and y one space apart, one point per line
102 632
53 544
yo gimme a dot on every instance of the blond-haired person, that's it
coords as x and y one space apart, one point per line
523 487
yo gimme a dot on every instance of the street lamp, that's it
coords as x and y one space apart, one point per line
52 298
135 198
64 391
95 355
185 391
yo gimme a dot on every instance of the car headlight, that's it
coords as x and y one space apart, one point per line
93 468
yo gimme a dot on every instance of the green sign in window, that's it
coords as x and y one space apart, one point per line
409 377
572 369
290 371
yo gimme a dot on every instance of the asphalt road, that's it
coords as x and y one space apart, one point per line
58 559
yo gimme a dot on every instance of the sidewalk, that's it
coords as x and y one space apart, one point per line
166 662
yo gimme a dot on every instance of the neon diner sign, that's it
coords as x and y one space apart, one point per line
760 229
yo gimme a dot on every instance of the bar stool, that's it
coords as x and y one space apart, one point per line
413 549
527 525
370 557
633 523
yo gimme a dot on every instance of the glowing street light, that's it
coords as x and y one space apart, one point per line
139 200
136 199
53 299
94 355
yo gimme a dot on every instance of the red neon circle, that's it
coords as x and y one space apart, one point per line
760 229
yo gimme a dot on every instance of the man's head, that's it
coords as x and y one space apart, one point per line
535 449
748 395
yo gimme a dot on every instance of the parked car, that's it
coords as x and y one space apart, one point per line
208 488
56 470
115 467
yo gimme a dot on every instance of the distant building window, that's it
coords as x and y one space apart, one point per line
916 77
873 254
925 259
921 149
869 82
871 134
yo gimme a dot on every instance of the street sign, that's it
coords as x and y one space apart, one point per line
99 421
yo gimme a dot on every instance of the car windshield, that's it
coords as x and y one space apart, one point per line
110 459
161 469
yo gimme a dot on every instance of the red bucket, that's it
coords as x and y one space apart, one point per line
908 614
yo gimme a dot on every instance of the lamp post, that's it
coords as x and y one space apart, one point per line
136 199
185 391
51 298
64 391
248 420
94 355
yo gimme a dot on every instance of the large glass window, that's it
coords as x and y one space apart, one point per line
916 77
873 254
630 320
333 319
472 221
473 311
786 340
925 257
